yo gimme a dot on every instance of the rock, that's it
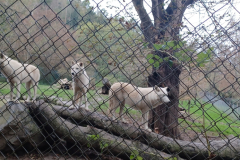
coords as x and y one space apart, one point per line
17 127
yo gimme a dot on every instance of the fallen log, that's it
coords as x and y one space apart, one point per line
93 137
222 149
18 129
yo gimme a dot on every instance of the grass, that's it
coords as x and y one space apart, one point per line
103 108
96 101
42 90
216 121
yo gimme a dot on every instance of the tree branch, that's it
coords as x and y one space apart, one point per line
188 2
174 13
146 23
156 13
161 7
178 5
171 7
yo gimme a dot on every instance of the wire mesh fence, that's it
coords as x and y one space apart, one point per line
119 79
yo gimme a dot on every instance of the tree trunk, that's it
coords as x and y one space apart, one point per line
166 27
164 118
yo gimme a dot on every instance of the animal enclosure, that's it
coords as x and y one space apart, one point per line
188 48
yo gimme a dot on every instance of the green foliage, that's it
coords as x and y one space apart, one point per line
4 26
145 44
103 145
174 45
93 137
203 57
155 60
135 155
103 41
182 54
81 13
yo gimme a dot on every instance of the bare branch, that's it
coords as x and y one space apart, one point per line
188 2
171 7
175 12
156 13
146 23
161 8
178 5
142 13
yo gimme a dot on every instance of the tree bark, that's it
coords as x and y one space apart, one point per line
146 23
78 135
164 118
222 149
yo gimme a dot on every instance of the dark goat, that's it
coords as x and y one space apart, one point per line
106 86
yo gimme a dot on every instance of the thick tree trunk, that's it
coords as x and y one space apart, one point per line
164 118
166 27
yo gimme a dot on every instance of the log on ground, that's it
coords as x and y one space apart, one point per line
93 137
226 149
18 129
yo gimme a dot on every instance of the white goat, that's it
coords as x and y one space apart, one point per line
138 98
80 84
18 73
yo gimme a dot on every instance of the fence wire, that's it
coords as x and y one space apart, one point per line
119 79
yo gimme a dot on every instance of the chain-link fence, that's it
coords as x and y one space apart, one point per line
119 79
